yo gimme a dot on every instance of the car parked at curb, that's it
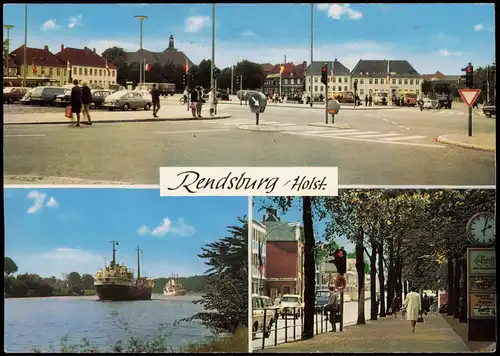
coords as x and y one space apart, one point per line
27 97
291 304
45 95
13 94
126 100
490 110
259 305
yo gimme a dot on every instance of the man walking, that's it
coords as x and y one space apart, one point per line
86 101
332 307
155 96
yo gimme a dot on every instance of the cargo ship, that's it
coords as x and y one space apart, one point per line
117 283
174 288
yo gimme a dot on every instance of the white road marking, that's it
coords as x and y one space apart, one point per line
26 135
378 135
332 132
354 134
385 120
192 131
393 122
403 138
388 142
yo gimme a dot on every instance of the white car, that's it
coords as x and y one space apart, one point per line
288 303
261 304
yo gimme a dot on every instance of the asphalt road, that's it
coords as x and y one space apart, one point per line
350 318
381 147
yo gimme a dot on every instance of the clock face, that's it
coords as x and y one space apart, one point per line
482 229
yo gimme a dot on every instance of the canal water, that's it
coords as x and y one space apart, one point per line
41 322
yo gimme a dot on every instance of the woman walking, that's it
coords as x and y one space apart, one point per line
199 104
413 307
194 101
211 101
76 102
86 101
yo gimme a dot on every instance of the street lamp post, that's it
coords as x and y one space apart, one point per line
310 66
25 50
8 28
213 50
141 19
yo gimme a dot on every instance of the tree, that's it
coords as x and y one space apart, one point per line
118 57
203 74
224 79
154 75
226 298
87 281
253 75
74 280
9 266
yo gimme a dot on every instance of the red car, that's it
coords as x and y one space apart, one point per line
12 94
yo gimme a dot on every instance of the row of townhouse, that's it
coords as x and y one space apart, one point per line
371 76
45 68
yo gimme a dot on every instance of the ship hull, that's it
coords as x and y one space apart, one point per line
174 293
123 293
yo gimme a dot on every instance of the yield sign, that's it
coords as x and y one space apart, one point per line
469 95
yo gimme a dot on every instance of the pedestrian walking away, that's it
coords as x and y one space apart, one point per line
76 102
211 101
86 101
155 96
332 307
366 100
201 101
194 101
426 304
370 99
413 307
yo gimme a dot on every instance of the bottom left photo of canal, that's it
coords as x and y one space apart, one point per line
124 270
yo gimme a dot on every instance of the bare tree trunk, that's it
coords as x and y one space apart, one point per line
463 312
390 277
456 287
373 280
360 267
381 279
399 272
450 285
309 269
405 289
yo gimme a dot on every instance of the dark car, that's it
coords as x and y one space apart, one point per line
490 109
98 96
222 95
63 99
322 297
46 95
13 94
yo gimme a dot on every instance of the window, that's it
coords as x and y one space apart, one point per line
400 81
315 79
376 81
113 73
411 81
58 71
322 88
286 81
298 81
42 70
406 81
51 71
370 91
340 88
345 79
65 72
345 88
286 289
315 88
417 81
85 71
370 81
333 79
80 71
361 81
90 81
382 81
291 81
362 92
418 91
394 81
309 88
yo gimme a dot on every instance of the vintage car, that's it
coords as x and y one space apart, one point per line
13 94
490 110
45 95
291 304
259 305
126 100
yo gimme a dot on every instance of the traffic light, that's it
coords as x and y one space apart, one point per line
469 76
355 86
324 74
216 72
238 80
339 259
184 80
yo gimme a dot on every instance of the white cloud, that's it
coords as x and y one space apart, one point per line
38 199
478 27
52 203
196 23
60 260
446 53
337 11
74 21
49 25
248 34
167 227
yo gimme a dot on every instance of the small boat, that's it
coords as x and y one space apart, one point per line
174 287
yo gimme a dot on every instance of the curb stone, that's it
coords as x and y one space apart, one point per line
67 122
333 126
443 139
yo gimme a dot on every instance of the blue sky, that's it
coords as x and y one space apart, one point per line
51 231
295 214
432 37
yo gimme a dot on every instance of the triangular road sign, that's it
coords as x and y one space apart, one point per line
469 95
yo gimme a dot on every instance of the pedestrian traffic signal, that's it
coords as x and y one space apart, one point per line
355 85
339 259
216 72
469 76
324 74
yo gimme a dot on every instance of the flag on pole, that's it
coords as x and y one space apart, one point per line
107 67
282 69
261 258
34 67
388 73
68 65
186 66
147 67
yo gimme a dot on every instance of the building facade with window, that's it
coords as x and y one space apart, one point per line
88 66
341 81
43 67
292 80
258 240
284 257
371 76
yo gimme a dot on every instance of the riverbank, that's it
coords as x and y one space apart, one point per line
67 293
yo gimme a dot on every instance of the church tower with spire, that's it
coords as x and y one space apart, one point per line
171 46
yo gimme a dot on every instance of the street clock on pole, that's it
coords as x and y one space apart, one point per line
481 229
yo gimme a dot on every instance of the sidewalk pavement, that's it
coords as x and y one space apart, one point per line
104 116
461 330
383 335
479 141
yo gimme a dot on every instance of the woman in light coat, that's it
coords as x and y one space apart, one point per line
413 307
211 101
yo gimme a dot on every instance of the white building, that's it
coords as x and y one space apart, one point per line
87 66
371 76
258 239
340 82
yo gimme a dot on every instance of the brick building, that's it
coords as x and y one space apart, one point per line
340 82
284 256
292 79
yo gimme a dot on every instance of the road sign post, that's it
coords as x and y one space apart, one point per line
469 96
340 285
241 89
257 103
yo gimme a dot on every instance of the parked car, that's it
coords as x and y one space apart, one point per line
98 96
126 100
46 95
222 95
288 303
27 97
63 99
259 304
490 110
380 98
322 296
13 94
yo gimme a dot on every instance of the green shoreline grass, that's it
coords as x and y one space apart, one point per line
237 342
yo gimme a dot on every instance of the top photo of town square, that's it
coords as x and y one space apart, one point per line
391 94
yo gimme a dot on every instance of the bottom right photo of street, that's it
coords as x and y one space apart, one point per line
374 270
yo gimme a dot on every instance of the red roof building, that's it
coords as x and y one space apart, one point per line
292 79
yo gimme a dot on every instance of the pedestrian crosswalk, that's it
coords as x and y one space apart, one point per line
240 122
